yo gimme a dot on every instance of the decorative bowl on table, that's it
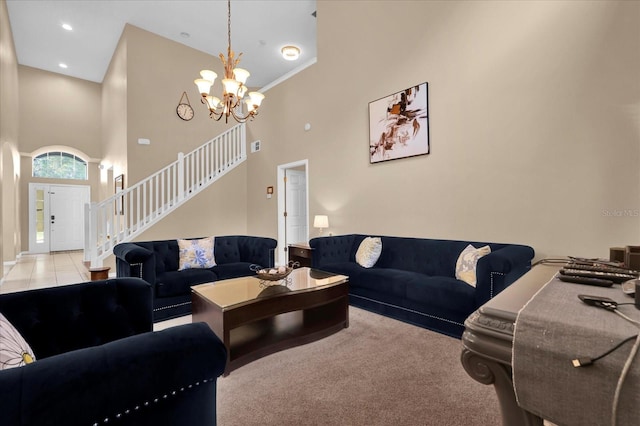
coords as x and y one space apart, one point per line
274 274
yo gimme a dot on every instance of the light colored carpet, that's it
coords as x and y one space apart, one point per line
379 371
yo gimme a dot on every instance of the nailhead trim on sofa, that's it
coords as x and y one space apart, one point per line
118 416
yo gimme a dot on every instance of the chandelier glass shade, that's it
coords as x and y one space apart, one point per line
234 87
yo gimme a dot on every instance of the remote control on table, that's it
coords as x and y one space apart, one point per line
601 268
600 282
611 276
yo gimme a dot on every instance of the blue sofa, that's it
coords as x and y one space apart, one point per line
157 263
414 278
98 362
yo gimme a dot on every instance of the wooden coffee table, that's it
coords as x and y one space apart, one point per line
255 318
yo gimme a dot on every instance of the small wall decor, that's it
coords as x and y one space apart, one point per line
184 109
399 125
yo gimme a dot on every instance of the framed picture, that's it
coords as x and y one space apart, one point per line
119 187
399 125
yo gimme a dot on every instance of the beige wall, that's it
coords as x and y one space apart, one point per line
57 111
534 123
158 70
114 118
9 131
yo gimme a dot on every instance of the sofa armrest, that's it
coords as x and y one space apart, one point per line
258 250
60 319
127 377
499 269
336 249
133 260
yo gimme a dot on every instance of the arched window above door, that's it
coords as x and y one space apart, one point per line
59 165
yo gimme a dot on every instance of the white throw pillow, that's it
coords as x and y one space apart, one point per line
369 252
467 261
196 253
14 350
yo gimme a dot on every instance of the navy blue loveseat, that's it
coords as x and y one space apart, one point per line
157 263
98 362
414 278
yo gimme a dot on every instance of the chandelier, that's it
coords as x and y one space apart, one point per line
233 87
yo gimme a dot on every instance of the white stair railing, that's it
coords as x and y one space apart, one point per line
125 215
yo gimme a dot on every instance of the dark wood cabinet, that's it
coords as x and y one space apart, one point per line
300 253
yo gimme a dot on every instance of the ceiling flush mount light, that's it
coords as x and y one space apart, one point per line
290 53
233 87
61 65
67 27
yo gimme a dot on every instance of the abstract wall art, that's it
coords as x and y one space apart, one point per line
399 125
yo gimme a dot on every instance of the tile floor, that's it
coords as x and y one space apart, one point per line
33 271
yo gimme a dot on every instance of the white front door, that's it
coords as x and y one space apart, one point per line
57 217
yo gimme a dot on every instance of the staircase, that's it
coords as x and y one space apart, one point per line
130 212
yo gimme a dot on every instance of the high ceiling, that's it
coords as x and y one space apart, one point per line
259 29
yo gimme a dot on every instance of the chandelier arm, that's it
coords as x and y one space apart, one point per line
239 118
216 116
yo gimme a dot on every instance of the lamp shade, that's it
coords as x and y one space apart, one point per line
241 75
250 106
320 221
231 86
208 75
213 102
203 86
256 98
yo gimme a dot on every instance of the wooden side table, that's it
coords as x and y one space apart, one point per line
99 273
300 253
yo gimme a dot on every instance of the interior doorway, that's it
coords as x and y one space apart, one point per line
293 207
56 217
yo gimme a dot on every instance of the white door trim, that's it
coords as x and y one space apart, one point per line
281 258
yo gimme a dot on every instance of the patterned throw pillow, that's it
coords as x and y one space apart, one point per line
369 252
467 261
196 253
14 351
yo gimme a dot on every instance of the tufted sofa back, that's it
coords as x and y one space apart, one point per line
61 319
427 256
227 249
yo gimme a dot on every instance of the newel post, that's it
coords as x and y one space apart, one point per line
91 234
86 256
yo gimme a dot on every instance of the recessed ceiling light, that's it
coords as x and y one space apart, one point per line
185 34
61 65
67 27
290 53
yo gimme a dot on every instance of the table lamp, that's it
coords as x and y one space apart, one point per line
320 221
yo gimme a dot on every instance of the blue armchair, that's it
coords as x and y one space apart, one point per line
98 362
